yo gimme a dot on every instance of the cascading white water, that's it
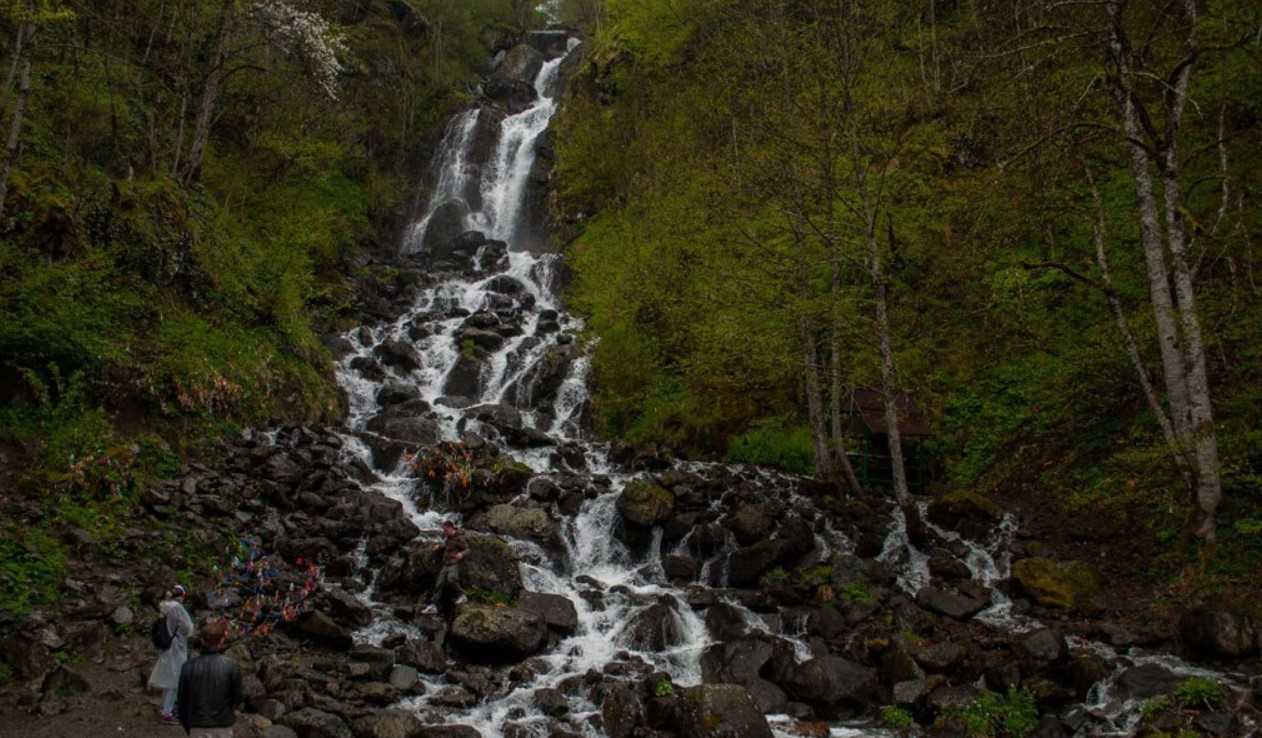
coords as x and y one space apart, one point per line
453 175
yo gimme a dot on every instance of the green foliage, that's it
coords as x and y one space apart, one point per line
32 566
1154 706
896 718
488 597
991 715
857 592
1200 693
771 443
664 688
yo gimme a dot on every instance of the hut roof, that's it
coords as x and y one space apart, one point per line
869 404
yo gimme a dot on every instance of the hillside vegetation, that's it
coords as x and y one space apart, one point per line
188 190
771 204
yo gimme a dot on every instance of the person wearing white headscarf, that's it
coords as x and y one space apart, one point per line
166 673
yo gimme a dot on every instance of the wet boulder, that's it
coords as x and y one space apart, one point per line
1044 646
489 634
958 604
752 523
655 628
387 724
464 379
529 523
830 680
1210 633
540 383
522 63
793 541
557 611
445 226
400 355
416 431
1146 680
735 662
492 566
397 393
621 711
1060 584
645 504
719 711
726 622
513 95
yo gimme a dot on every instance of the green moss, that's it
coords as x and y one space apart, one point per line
1199 693
1071 584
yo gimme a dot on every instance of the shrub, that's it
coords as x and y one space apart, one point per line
1014 715
1199 692
775 443
664 688
896 718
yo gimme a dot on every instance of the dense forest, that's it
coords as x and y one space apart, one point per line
1037 220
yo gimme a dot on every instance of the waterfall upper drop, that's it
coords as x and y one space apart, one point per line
488 157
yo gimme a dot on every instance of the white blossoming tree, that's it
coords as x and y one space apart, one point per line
303 35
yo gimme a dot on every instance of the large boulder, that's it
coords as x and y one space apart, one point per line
720 711
752 523
399 355
557 611
514 95
491 566
830 680
1210 633
967 512
734 662
950 602
621 711
521 63
646 504
445 225
530 523
655 628
793 541
490 634
1146 680
387 724
312 723
1062 584
464 379
416 431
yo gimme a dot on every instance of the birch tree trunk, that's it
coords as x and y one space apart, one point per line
210 95
1200 407
12 145
1132 346
1151 237
16 64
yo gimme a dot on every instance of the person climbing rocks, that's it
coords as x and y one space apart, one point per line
166 673
454 548
210 686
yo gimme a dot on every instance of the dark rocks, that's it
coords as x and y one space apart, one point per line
387 724
655 628
720 711
830 680
522 63
557 611
397 393
447 731
726 622
793 541
516 96
1044 646
646 504
399 355
312 723
320 627
1209 633
751 523
969 513
446 225
498 634
951 603
425 656
1146 680
621 711
734 662
464 379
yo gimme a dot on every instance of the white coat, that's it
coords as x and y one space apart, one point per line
166 673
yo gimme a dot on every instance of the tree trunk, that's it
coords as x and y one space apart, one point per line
210 95
1132 346
1151 237
889 392
836 394
19 112
824 470
14 66
1200 407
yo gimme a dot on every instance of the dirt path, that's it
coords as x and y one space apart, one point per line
115 705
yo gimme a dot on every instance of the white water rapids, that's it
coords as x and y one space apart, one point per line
607 585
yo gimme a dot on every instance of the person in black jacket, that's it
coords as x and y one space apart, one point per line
210 686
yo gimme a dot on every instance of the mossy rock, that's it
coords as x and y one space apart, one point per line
967 512
1051 583
491 566
646 504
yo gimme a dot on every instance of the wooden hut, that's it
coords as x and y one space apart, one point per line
869 451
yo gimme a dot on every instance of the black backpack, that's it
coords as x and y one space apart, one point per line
160 634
